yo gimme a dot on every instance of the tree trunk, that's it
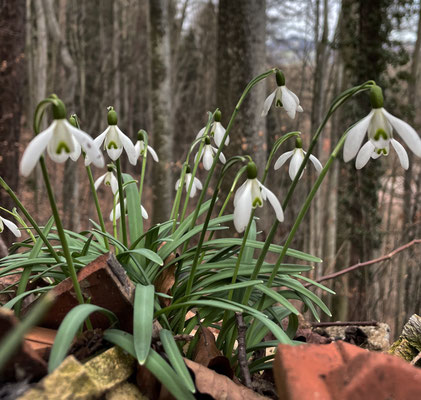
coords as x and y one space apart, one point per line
12 40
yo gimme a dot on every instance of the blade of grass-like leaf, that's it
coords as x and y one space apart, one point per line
173 353
149 254
68 329
277 297
314 283
19 297
134 210
143 320
154 363
14 338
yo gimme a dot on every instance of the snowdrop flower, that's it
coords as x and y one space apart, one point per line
380 125
12 227
62 141
197 185
297 155
118 211
216 130
109 179
283 98
208 153
115 140
140 146
250 195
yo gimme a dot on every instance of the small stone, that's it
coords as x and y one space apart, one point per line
110 368
70 381
125 391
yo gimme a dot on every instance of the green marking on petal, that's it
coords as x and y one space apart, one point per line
112 145
278 103
257 202
62 146
381 133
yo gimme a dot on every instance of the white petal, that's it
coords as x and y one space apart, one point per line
222 157
35 149
300 109
239 192
207 157
114 184
273 200
268 102
99 181
200 133
197 183
177 184
256 194
403 156
295 164
89 146
100 139
317 164
355 137
144 213
406 132
128 146
364 155
117 213
219 132
13 228
282 159
138 147
75 155
288 102
153 153
242 208
193 187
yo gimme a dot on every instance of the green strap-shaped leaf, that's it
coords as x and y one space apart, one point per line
143 320
176 360
149 254
67 331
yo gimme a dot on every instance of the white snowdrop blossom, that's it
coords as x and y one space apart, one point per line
283 97
140 146
197 185
297 155
217 131
379 124
12 227
250 195
109 179
62 141
115 141
208 153
118 211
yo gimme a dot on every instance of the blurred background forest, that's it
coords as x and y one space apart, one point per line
164 63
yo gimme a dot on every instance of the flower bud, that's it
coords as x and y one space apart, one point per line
59 109
280 78
376 96
72 121
298 143
111 116
217 116
141 135
251 170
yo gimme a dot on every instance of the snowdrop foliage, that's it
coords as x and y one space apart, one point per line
62 141
379 124
283 97
251 195
217 131
197 185
208 153
117 210
297 155
12 227
115 141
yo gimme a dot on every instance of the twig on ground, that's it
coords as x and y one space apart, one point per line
416 358
242 354
366 263
343 323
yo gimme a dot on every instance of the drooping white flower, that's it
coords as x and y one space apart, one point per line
115 141
208 153
140 147
283 98
379 124
62 140
109 179
297 155
12 227
217 131
197 185
250 195
118 211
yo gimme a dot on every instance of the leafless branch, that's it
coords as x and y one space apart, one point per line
242 354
